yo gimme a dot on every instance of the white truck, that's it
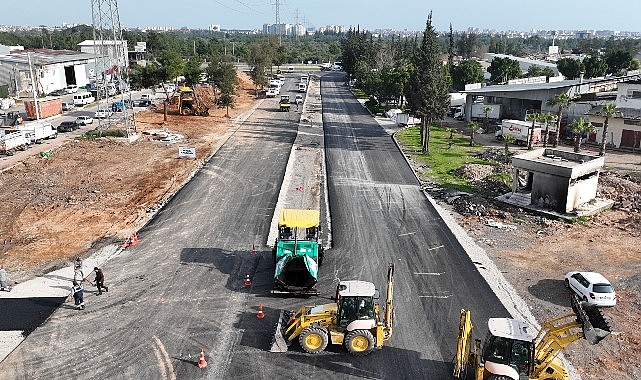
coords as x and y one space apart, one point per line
520 130
36 132
13 141
478 112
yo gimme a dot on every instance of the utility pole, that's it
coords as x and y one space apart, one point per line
34 90
280 41
296 26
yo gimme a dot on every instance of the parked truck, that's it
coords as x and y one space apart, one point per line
36 132
13 141
46 108
478 112
520 130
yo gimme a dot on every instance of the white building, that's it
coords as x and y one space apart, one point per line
51 69
115 57
624 128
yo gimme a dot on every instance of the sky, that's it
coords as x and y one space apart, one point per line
618 15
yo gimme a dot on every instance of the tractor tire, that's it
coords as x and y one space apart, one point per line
499 377
566 283
359 342
321 255
313 339
274 255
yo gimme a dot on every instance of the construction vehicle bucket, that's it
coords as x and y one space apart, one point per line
595 327
279 344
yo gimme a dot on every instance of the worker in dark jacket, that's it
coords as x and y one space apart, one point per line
78 295
100 280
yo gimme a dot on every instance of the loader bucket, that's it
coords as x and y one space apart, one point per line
279 344
595 327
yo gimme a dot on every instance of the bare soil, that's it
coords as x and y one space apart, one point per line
95 191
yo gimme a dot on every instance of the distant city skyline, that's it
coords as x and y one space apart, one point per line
500 15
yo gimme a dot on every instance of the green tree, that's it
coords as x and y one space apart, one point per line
607 111
486 110
467 72
507 140
223 75
504 69
193 71
538 71
473 127
579 127
226 101
618 61
172 65
594 67
427 89
570 68
562 101
534 118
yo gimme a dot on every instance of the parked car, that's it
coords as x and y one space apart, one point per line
592 288
67 106
298 99
71 89
67 126
103 114
272 92
84 120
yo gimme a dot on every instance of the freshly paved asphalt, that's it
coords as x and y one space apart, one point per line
181 289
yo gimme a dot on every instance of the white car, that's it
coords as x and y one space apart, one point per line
103 114
272 92
71 89
298 99
84 120
592 288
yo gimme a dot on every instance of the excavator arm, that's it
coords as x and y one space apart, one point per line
558 333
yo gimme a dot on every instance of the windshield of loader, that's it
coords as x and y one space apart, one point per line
355 308
515 353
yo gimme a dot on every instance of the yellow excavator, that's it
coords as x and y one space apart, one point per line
188 103
510 352
354 320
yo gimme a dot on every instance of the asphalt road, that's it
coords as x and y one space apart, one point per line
181 289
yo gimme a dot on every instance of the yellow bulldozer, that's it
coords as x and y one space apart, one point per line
354 320
510 352
188 103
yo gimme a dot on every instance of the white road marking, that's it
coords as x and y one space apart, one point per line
437 247
428 273
409 233
441 297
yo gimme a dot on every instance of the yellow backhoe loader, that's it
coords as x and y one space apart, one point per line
354 320
188 103
510 352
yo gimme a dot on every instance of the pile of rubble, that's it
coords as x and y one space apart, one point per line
205 95
624 190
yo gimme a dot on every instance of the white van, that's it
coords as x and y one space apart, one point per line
83 99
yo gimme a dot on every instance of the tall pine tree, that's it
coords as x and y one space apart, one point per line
427 89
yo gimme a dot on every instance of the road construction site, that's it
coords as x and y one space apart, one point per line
184 286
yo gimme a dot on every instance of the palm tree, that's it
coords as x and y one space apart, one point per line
507 139
548 118
486 110
563 102
579 127
473 125
534 118
608 110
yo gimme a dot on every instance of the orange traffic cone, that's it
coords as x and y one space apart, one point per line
134 239
202 363
248 281
260 314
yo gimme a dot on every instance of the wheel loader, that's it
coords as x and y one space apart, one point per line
355 320
511 352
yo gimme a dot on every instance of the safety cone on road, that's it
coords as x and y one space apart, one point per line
248 281
260 314
134 239
202 363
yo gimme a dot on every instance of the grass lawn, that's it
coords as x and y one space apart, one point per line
358 93
442 158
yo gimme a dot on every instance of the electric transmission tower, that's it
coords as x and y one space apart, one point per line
111 63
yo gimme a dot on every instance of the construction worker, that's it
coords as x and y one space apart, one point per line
4 285
78 295
100 280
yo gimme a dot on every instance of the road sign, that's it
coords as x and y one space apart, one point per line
188 152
